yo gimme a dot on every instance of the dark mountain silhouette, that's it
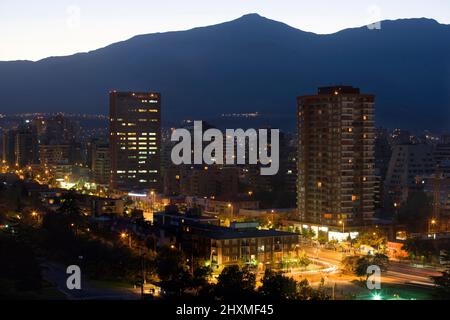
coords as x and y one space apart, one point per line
249 64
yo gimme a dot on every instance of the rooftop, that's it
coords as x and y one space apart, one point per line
224 233
338 90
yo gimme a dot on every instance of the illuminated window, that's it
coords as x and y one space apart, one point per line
354 198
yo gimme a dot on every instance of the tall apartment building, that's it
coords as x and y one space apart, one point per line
8 145
135 140
437 187
336 157
101 163
54 154
26 147
409 165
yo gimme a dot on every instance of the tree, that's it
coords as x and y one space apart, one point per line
416 211
277 286
306 292
380 260
19 266
303 260
70 209
419 248
373 239
234 282
172 271
322 237
358 265
308 233
349 264
200 283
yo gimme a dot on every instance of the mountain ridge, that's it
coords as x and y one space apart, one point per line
249 64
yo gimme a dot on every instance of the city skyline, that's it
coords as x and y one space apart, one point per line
250 163
46 29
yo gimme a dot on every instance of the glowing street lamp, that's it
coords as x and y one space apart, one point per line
341 222
431 227
124 235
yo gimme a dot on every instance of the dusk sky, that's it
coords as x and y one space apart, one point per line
34 30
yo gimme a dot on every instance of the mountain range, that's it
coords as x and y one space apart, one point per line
251 64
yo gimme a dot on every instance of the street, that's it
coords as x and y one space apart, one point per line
398 273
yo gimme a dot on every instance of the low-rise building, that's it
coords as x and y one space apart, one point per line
240 245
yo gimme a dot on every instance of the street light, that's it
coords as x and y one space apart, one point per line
124 235
343 225
431 225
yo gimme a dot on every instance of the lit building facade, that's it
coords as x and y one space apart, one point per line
410 164
336 157
135 140
8 145
101 163
54 154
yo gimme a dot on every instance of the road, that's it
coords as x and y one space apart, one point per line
398 273
56 274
